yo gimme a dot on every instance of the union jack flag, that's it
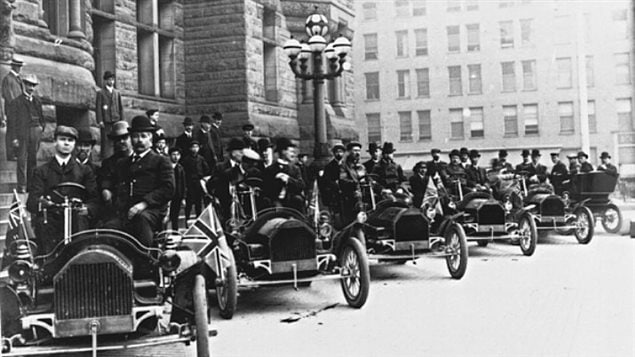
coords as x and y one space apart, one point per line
17 228
207 239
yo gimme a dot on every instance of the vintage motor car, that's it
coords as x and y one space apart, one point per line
278 246
99 289
392 230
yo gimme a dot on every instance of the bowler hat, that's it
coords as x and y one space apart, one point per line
160 137
141 123
30 78
502 153
554 154
205 119
474 153
338 146
217 116
455 152
388 148
63 130
582 153
283 144
188 121
464 151
235 144
372 147
15 61
535 152
248 127
525 153
118 129
605 155
174 149
264 144
435 151
108 74
353 144
85 136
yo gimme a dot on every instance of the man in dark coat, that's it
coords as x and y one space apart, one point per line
606 165
183 140
375 155
122 148
465 157
265 149
248 139
390 174
48 221
180 188
195 167
202 136
108 110
144 184
24 129
418 183
585 165
84 148
215 136
574 164
559 173
329 183
349 182
227 173
12 87
436 166
476 175
538 170
282 181
526 164
455 173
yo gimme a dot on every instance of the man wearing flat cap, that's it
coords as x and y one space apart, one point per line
122 148
476 175
227 173
349 182
375 155
108 110
606 165
49 223
144 184
12 87
585 165
25 124
390 174
329 182
559 173
183 141
248 139
282 181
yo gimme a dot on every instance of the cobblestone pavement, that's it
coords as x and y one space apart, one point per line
566 300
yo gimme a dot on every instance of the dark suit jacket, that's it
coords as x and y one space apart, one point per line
183 142
418 187
329 183
217 143
49 175
432 168
108 106
559 172
609 169
586 167
350 177
195 168
218 186
151 180
250 143
476 176
206 147
179 182
525 167
540 170
12 87
19 117
273 186
390 174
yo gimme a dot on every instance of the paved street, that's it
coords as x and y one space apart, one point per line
566 300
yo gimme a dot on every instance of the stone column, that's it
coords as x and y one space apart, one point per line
75 20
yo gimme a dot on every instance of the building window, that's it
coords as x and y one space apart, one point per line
624 108
507 34
565 112
563 30
564 79
476 123
593 123
61 17
590 74
402 8
509 76
454 38
526 32
471 5
620 23
405 126
270 55
373 121
372 85
510 117
456 86
369 10
402 43
419 8
421 42
622 68
403 84
456 123
530 119
475 82
103 45
453 5
423 82
473 38
425 125
529 75
370 46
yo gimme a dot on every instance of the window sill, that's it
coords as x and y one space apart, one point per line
532 134
475 93
455 95
570 87
404 98
508 91
402 57
507 136
425 140
423 97
149 97
457 139
477 137
370 59
405 141
372 100
566 133
530 90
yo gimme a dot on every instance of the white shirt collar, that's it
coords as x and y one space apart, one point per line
283 162
143 154
62 161
15 73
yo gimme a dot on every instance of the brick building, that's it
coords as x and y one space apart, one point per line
494 74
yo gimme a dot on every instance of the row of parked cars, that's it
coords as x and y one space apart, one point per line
103 290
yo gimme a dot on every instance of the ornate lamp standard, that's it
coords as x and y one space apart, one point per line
316 48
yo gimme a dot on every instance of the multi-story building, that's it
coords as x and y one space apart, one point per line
496 74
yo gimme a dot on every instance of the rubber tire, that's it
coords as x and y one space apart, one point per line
460 271
619 219
482 243
353 245
199 295
591 221
230 292
533 240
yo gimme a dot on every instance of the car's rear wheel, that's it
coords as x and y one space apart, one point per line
356 284
199 295
227 290
528 235
585 225
612 219
482 243
456 249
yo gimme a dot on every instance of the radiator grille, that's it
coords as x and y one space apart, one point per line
552 206
292 244
411 228
92 290
491 214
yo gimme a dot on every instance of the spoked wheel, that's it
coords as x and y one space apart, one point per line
227 290
528 235
612 219
354 261
585 224
456 250
482 243
200 316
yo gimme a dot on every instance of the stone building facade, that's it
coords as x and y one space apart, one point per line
183 57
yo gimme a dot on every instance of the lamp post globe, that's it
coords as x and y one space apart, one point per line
292 47
317 44
316 25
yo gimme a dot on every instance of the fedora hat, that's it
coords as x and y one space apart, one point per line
464 151
141 124
582 153
455 152
217 116
235 144
85 136
205 119
264 144
502 153
118 129
388 148
554 153
474 153
535 152
525 153
283 144
30 78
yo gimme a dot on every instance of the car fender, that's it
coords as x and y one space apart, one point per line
450 220
355 229
579 204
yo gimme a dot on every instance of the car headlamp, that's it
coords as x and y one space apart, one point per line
169 260
20 271
508 206
362 217
325 231
430 213
452 205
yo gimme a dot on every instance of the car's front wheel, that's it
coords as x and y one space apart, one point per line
456 251
585 225
528 235
227 290
199 295
356 281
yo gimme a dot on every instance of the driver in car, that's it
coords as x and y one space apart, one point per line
48 223
349 181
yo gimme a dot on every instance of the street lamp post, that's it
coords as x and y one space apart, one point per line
316 48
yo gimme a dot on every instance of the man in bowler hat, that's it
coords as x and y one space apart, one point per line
229 172
525 165
144 184
215 136
476 175
282 181
606 165
375 155
559 173
108 110
183 141
329 183
390 174
585 165
84 149
436 166
538 171
202 136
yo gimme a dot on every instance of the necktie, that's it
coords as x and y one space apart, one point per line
135 158
63 166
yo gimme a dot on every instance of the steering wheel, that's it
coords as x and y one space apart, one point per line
67 189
